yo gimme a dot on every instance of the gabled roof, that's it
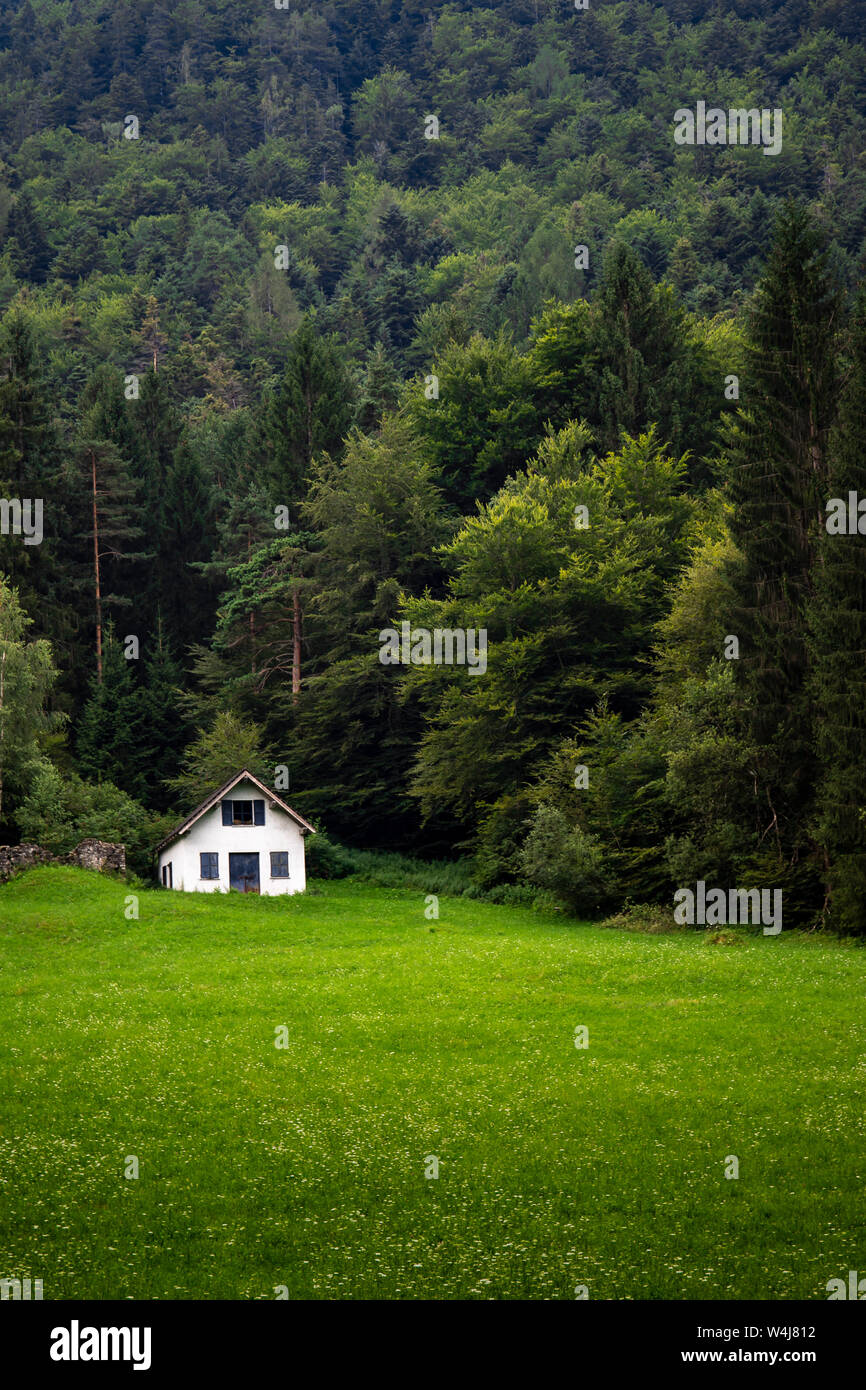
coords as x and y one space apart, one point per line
244 776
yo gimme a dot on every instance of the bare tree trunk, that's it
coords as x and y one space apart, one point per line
252 613
296 646
96 573
309 404
2 716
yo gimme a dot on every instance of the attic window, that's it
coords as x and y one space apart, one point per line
243 812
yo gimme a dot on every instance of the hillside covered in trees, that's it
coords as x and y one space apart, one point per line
316 321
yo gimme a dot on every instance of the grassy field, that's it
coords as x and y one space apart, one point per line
304 1166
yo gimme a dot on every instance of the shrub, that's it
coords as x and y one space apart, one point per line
61 810
500 841
325 858
512 895
644 917
566 861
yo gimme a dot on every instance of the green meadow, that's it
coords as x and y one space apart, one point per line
304 1166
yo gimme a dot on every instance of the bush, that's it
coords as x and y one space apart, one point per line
325 858
566 861
60 811
644 917
512 895
500 841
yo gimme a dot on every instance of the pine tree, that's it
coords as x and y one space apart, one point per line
310 413
32 466
109 741
30 469
27 674
186 540
108 497
26 437
154 417
153 341
379 389
215 755
646 369
271 587
838 652
165 730
246 527
31 254
779 476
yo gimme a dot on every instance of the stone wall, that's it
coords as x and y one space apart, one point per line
90 854
15 858
98 854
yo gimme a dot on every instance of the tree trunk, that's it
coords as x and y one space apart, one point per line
252 612
296 646
2 707
96 572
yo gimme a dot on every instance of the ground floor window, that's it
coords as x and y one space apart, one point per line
279 863
210 865
166 876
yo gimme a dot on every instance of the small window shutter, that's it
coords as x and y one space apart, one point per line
258 813
227 813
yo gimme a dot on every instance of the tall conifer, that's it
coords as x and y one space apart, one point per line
838 651
779 475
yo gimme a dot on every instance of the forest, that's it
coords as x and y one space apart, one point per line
320 320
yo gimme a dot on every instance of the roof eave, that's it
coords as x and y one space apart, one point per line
211 801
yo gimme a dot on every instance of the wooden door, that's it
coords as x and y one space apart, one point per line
244 872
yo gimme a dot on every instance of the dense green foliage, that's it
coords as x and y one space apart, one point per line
288 373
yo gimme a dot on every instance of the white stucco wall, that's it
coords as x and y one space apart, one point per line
209 835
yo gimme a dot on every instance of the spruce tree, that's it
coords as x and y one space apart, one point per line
156 421
246 527
646 368
309 413
186 541
31 253
380 388
26 437
30 468
838 652
108 507
779 460
164 728
27 675
110 730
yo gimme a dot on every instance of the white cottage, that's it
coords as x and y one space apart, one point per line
242 837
